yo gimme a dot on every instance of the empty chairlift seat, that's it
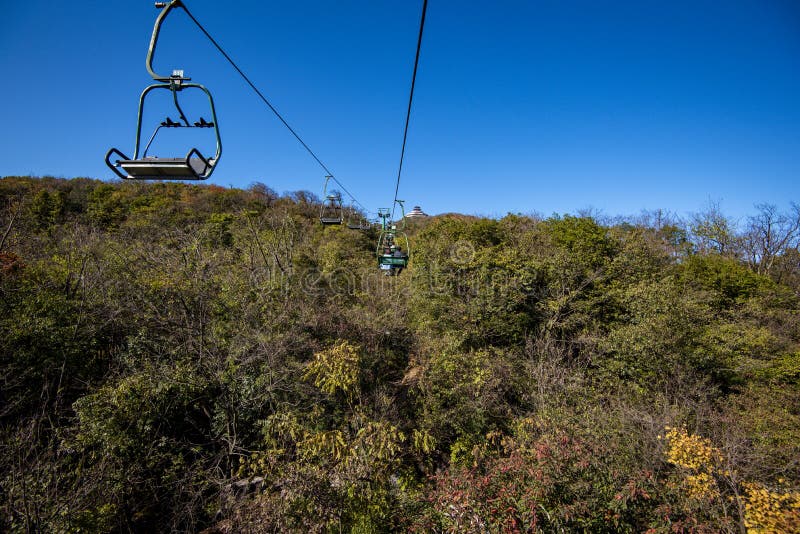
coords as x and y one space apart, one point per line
331 210
142 166
193 166
155 168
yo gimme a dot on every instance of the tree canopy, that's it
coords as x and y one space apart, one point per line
195 358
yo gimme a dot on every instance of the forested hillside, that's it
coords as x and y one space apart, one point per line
194 358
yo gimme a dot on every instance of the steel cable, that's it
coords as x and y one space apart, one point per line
271 107
410 100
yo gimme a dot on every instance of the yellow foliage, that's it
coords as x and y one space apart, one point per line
379 440
701 486
423 441
699 456
691 451
327 445
335 368
377 445
766 511
770 511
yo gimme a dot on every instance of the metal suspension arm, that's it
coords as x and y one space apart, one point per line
325 189
166 7
402 213
175 87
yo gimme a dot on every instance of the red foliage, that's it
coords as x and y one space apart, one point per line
10 263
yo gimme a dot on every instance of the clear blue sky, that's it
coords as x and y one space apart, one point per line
521 105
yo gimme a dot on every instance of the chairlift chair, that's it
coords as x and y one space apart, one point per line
390 237
142 166
357 221
331 210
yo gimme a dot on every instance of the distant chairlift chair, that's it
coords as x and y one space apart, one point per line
357 221
391 260
331 210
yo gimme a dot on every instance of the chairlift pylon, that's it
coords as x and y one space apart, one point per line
142 166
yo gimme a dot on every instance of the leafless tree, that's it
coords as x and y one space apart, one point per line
770 234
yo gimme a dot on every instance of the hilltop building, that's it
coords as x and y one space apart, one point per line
416 212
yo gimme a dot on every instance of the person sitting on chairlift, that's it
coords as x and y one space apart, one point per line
397 252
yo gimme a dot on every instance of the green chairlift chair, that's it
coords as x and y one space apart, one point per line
393 251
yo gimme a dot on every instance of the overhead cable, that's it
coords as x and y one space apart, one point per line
271 107
410 100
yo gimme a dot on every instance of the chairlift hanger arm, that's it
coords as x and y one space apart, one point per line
325 187
166 8
402 213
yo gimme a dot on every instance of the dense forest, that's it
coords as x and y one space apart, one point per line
196 358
